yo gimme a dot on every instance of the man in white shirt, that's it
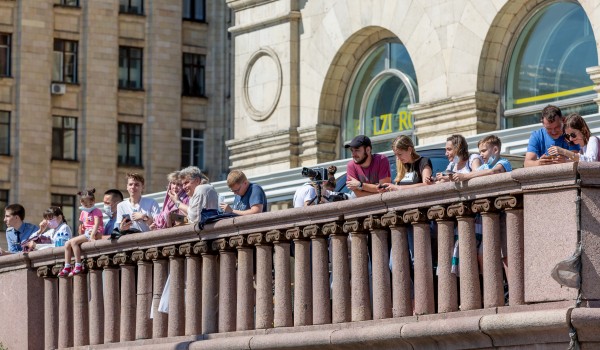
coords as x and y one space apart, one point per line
136 214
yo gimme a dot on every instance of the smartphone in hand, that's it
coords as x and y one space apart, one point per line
382 186
126 217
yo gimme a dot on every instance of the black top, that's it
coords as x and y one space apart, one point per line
413 176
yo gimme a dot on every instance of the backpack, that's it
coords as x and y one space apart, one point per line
208 216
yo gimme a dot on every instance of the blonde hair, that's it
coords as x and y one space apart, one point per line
235 177
403 143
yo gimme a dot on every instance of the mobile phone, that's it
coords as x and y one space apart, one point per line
447 172
126 217
381 186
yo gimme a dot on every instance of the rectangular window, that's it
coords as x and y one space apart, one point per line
65 61
64 138
4 133
130 68
5 55
74 3
192 148
67 204
193 74
135 7
130 144
194 10
3 204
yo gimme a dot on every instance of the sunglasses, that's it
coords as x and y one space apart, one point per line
570 136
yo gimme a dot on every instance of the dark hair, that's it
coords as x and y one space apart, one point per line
115 194
550 113
87 194
53 212
16 209
460 145
576 121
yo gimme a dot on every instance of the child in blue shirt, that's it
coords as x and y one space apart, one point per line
489 149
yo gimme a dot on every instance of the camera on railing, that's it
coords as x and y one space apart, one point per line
317 174
337 196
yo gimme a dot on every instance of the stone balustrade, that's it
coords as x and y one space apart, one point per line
366 271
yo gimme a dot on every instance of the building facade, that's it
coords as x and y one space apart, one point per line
311 75
92 90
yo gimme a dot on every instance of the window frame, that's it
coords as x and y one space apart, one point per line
61 138
7 125
6 71
128 135
192 139
197 68
128 8
65 4
128 58
63 53
193 6
66 201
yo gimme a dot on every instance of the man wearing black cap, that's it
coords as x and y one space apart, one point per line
365 171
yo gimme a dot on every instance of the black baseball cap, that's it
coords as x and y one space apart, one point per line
360 140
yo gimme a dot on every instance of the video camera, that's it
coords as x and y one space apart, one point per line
337 196
317 174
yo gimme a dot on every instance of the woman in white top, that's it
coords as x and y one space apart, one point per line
577 132
457 151
54 228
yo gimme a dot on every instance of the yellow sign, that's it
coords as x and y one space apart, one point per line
388 123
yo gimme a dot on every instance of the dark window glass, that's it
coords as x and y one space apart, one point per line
74 3
192 148
130 144
65 61
135 7
64 138
67 204
193 74
130 68
194 10
4 132
5 55
3 204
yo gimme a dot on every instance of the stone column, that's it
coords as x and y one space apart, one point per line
382 293
470 292
340 272
360 299
193 289
447 284
95 303
50 306
210 287
401 282
65 309
320 275
143 322
264 280
227 286
112 302
303 306
283 281
515 250
424 299
81 325
128 297
245 283
594 73
176 315
159 279
493 289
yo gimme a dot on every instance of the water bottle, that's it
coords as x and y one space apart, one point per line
61 239
221 200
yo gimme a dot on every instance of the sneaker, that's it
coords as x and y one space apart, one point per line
66 271
77 270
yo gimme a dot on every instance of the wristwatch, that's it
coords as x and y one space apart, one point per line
177 204
360 186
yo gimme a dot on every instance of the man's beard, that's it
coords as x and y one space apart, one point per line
361 160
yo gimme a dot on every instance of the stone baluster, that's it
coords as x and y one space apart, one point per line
360 297
50 306
401 282
112 300
320 275
128 297
159 279
493 289
264 280
210 287
447 283
382 293
227 285
143 322
81 325
65 309
515 250
470 292
193 290
303 306
95 303
176 315
340 272
283 294
423 261
245 284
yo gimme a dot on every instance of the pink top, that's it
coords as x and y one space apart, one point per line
88 219
378 170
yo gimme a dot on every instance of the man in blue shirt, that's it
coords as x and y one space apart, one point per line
249 198
17 231
111 198
550 135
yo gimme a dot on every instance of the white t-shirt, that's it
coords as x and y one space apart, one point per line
468 166
205 196
146 206
53 233
303 194
589 153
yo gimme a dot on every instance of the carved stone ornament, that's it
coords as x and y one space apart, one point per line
332 228
263 69
121 259
186 249
44 271
138 256
91 263
482 206
105 261
56 269
414 216
237 242
352 226
294 233
437 212
256 239
275 236
371 222
391 218
312 231
220 244
152 254
201 248
170 251
459 209
507 203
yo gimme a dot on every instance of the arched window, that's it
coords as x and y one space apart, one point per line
376 103
548 65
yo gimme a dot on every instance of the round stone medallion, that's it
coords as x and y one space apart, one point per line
262 84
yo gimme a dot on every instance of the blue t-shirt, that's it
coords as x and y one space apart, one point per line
540 141
253 196
502 161
16 237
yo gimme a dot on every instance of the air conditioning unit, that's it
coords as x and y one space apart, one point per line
58 89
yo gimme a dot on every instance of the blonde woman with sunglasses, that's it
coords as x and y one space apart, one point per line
577 132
